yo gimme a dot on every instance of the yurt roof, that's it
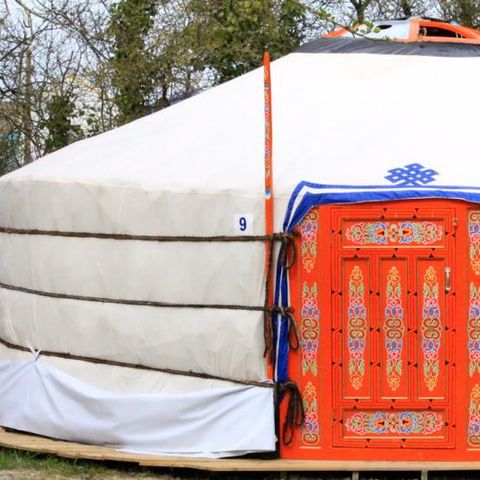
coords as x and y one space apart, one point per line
345 112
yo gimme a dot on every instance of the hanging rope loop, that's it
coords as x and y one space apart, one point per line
288 251
295 410
292 326
293 333
268 331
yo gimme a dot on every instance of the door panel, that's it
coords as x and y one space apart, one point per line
394 315
430 338
356 329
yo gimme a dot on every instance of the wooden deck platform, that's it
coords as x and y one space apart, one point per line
72 450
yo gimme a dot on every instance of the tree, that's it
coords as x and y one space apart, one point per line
132 66
58 123
231 36
466 12
47 55
360 6
407 9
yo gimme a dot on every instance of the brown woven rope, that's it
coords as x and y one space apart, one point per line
281 237
292 327
295 410
288 251
151 303
115 363
143 303
267 317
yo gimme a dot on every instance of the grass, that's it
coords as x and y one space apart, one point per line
19 460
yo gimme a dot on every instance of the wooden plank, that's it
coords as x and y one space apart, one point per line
247 465
61 448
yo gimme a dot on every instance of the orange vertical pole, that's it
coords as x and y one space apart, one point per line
268 146
268 189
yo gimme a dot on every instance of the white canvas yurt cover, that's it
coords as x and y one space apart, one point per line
129 319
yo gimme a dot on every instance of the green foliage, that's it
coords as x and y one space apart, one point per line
465 12
9 151
231 36
291 26
60 110
133 69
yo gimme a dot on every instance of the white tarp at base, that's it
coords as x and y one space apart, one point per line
221 422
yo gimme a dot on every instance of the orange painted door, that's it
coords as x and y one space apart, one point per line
393 305
383 299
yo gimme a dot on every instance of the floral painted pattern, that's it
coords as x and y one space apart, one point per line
431 329
310 328
474 237
393 233
474 417
310 428
400 423
473 329
357 328
308 232
394 328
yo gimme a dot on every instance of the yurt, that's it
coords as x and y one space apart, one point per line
158 296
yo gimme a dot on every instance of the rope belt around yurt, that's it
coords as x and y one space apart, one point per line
116 363
285 238
295 410
287 254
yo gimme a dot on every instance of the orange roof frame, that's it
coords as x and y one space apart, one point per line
429 30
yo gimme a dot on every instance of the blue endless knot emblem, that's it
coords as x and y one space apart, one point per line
413 175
